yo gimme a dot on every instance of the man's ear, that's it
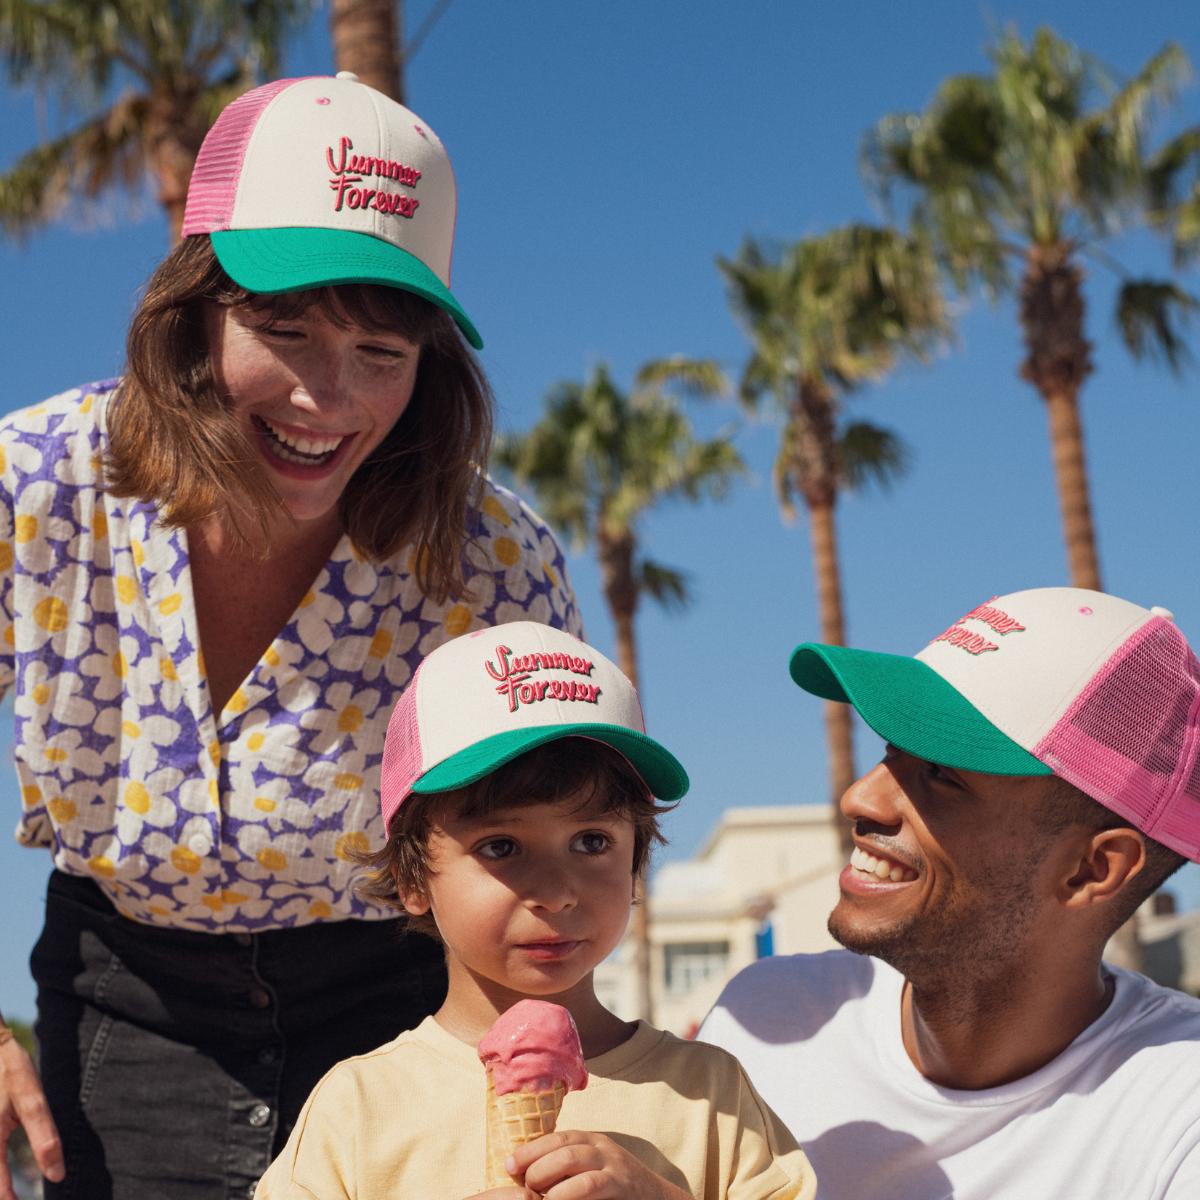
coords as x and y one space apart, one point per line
1106 864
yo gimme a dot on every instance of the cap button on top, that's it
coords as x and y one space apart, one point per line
1165 613
350 75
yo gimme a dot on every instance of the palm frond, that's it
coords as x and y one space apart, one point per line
1151 315
871 455
666 586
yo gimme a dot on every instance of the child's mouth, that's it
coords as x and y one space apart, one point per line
549 951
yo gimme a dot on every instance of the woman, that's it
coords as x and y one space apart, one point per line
216 577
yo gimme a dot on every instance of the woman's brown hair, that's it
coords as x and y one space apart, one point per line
569 768
173 439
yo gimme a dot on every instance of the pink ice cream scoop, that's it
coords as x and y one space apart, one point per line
532 1047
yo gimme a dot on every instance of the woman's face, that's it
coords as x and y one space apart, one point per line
316 397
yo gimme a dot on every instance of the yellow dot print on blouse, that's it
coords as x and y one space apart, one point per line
120 665
354 842
137 798
551 573
458 620
213 903
6 555
255 741
319 910
63 811
10 636
507 551
139 553
348 781
85 405
31 796
127 589
103 866
351 719
214 796
3 459
56 754
381 643
25 528
497 511
264 804
183 859
99 525
130 730
214 752
51 614
238 702
41 693
271 860
171 604
309 597
272 658
167 667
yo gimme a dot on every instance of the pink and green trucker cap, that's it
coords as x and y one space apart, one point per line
307 182
482 699
1062 681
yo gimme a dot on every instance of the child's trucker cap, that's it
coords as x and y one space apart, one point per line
1101 692
481 700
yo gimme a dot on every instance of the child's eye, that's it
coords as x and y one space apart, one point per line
592 842
385 353
495 848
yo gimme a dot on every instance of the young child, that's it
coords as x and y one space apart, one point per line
518 789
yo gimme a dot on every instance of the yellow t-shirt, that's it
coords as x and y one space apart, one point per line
407 1120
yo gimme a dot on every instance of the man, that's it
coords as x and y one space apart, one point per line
1041 779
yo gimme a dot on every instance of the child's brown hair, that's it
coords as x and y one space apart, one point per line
570 767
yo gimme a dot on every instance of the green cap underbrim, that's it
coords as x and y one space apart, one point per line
911 706
270 261
661 771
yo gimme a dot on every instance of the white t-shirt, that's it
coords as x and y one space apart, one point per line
1116 1116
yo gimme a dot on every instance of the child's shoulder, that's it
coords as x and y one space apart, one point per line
653 1053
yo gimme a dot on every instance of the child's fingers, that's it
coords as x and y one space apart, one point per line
516 1192
566 1158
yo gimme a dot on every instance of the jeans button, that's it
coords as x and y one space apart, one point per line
242 939
260 998
260 1114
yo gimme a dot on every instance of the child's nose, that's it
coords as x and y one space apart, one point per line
552 888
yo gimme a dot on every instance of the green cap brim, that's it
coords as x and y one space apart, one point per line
659 768
270 261
911 706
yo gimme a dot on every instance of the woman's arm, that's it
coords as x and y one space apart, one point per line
22 1102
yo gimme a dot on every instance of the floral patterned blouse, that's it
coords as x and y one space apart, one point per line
234 821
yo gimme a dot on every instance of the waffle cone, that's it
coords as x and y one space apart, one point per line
514 1119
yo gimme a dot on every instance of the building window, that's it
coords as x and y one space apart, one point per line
689 964
764 941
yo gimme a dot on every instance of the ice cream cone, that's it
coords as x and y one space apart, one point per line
514 1119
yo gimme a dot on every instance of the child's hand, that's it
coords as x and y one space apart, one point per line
571 1165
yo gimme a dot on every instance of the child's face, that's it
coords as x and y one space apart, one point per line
529 898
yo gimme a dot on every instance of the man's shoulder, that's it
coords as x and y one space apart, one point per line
787 999
1148 1015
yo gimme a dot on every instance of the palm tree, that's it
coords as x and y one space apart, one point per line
825 316
148 77
598 461
367 40
1023 166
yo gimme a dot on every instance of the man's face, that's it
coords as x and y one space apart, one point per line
950 867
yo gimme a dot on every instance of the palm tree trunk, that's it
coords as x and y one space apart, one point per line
368 40
1058 361
616 554
814 424
839 727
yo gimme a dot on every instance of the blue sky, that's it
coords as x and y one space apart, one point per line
606 155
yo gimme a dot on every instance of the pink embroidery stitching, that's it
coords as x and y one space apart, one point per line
964 639
350 169
514 672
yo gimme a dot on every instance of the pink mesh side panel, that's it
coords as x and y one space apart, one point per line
1130 740
218 168
402 760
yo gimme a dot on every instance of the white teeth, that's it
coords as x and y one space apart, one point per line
309 447
880 868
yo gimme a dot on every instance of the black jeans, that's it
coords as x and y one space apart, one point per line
176 1063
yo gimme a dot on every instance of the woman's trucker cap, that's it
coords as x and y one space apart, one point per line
323 180
482 699
1062 681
